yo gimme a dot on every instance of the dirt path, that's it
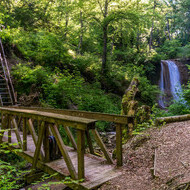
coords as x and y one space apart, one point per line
156 160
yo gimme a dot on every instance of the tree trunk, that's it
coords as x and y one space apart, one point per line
152 28
81 34
104 56
105 40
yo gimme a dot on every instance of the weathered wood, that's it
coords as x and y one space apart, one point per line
15 126
19 122
34 136
89 142
39 145
119 145
84 114
76 122
96 171
46 144
80 152
102 146
24 135
64 152
3 125
71 138
9 128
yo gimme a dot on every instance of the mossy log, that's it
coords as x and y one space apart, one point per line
171 119
130 107
128 102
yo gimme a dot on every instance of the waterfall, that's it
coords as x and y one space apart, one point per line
169 84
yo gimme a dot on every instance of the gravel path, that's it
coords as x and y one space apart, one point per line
156 160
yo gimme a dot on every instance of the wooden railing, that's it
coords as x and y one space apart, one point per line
50 121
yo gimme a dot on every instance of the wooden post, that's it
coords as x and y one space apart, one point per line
24 135
119 145
81 151
9 128
46 143
3 126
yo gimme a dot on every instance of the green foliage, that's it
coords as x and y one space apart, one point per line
184 52
10 176
170 48
28 78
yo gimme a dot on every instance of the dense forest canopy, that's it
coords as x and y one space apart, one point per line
83 53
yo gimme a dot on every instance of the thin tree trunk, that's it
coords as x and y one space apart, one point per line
152 28
168 29
105 40
104 57
81 34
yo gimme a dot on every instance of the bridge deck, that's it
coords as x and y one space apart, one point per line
97 171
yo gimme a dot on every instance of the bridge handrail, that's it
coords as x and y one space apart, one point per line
120 119
79 123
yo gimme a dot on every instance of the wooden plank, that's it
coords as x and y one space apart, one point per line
34 136
119 145
89 141
71 138
102 146
46 143
24 135
15 126
84 114
80 153
96 172
64 152
39 145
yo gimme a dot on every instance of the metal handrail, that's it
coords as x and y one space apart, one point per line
7 74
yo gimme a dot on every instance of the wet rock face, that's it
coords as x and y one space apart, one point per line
182 66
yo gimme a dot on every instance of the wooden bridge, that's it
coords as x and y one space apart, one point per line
30 128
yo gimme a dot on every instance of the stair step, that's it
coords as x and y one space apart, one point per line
7 103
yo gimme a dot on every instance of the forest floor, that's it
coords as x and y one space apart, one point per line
159 159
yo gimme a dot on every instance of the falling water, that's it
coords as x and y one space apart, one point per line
169 82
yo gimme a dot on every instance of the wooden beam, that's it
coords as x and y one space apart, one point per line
119 144
15 126
39 145
84 114
34 136
81 151
46 143
102 146
24 135
71 138
3 125
89 142
75 122
64 151
9 128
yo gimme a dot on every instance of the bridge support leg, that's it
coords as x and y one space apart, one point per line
119 145
81 151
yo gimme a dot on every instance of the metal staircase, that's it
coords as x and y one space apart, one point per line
7 95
